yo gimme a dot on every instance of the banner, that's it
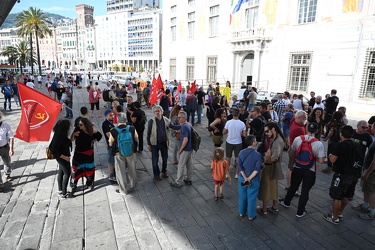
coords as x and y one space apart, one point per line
178 91
191 91
39 113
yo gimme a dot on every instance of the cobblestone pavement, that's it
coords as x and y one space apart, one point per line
157 216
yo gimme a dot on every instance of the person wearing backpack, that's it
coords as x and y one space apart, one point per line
305 151
139 120
185 151
346 174
122 139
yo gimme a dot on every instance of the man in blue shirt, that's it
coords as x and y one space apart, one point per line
7 92
185 151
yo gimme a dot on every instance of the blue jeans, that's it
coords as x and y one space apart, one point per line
7 99
192 114
200 110
162 147
247 197
68 109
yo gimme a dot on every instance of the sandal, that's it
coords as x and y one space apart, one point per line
221 196
273 210
216 198
261 211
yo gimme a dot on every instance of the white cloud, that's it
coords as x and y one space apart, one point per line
56 8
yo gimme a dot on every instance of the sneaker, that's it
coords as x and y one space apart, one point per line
340 216
330 219
187 182
175 184
236 176
64 196
367 216
165 175
7 177
282 203
112 177
301 215
327 170
361 208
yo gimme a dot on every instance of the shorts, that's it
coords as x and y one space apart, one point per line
218 140
111 158
95 105
369 185
218 182
232 147
346 187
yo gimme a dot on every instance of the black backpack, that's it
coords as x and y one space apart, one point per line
164 103
105 95
259 134
143 119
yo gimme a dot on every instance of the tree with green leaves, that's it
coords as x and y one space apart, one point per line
19 53
33 22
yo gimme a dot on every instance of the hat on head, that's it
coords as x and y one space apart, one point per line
107 112
313 127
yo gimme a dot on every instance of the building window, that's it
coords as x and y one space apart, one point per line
252 14
190 69
191 3
214 20
299 72
191 24
172 68
307 11
173 8
212 69
368 80
173 29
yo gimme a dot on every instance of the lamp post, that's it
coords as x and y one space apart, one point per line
84 47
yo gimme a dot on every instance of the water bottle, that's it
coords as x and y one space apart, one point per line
337 181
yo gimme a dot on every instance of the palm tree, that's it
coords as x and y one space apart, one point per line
20 52
34 21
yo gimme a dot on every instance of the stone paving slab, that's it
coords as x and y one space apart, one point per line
156 215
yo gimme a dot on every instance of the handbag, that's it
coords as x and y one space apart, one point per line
49 154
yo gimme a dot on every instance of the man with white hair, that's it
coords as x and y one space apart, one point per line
6 149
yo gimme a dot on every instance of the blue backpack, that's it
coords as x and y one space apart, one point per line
304 156
125 141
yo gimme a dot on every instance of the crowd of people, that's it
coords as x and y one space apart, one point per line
254 134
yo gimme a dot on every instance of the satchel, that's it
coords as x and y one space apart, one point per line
49 154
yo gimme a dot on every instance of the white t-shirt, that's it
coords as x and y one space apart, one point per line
297 104
317 147
320 105
235 129
39 78
30 85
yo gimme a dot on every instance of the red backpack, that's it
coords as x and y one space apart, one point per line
304 156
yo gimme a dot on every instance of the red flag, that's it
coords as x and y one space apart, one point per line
191 91
160 87
156 92
178 91
39 113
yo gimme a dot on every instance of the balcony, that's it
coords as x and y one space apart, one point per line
248 39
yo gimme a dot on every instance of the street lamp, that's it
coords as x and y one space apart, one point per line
84 46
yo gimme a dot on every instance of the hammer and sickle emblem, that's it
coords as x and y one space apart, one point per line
40 116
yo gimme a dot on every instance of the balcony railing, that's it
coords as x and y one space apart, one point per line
253 33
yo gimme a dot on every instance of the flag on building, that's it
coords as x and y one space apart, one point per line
235 16
156 90
39 113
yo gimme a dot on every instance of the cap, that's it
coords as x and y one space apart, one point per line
313 127
107 112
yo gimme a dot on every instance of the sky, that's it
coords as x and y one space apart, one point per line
65 8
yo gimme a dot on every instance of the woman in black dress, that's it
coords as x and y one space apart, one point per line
83 164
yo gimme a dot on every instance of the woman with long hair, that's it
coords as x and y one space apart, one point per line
218 126
211 110
83 164
60 147
224 102
175 134
272 171
317 116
